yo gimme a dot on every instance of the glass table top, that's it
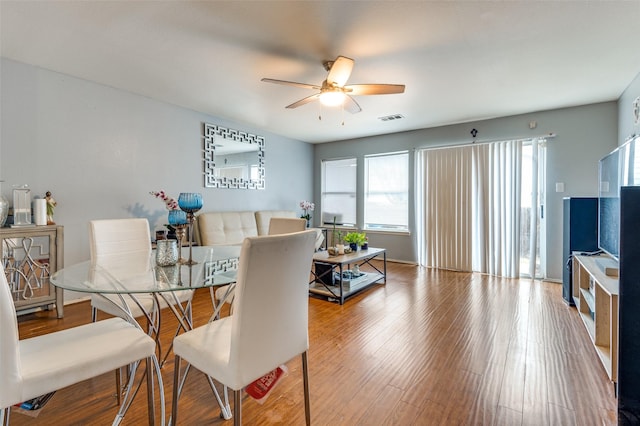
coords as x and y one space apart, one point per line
217 265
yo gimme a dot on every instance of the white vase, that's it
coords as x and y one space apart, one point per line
40 211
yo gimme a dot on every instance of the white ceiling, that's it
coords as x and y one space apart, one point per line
460 61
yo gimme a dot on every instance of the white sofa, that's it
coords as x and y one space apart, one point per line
230 228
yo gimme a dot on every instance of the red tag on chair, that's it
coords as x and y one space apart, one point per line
259 389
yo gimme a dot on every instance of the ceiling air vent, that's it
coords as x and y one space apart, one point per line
391 117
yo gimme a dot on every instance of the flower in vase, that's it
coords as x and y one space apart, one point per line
170 203
307 207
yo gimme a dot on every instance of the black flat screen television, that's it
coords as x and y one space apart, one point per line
619 168
609 204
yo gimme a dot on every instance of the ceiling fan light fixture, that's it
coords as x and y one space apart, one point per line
334 91
332 98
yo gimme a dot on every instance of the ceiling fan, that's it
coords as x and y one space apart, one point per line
335 92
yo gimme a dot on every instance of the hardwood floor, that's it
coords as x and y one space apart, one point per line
429 348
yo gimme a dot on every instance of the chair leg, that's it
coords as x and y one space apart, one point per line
128 396
94 318
237 407
118 385
151 404
225 409
176 391
4 416
305 382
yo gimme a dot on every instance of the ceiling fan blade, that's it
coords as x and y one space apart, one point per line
304 101
351 105
291 83
340 71
374 89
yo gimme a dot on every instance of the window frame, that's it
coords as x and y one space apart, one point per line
324 192
387 228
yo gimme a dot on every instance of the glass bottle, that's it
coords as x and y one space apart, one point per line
21 205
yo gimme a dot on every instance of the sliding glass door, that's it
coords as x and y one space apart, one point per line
481 208
532 221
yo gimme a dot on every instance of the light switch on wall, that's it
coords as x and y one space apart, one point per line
559 186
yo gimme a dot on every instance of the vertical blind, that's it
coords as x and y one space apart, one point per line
468 207
443 216
496 240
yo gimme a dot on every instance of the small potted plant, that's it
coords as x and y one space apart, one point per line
355 239
307 207
351 238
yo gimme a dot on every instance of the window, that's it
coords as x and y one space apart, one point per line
386 193
339 191
532 223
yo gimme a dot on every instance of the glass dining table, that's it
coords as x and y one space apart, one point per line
126 278
126 275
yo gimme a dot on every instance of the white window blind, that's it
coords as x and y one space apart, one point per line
468 207
444 207
386 193
339 191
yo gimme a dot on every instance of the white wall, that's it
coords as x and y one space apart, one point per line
100 151
583 135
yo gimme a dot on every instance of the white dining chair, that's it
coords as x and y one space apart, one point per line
268 327
114 239
286 225
43 364
128 242
277 226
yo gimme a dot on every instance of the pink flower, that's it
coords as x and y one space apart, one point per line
307 207
171 203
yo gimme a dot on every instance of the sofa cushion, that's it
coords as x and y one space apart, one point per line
223 228
263 217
